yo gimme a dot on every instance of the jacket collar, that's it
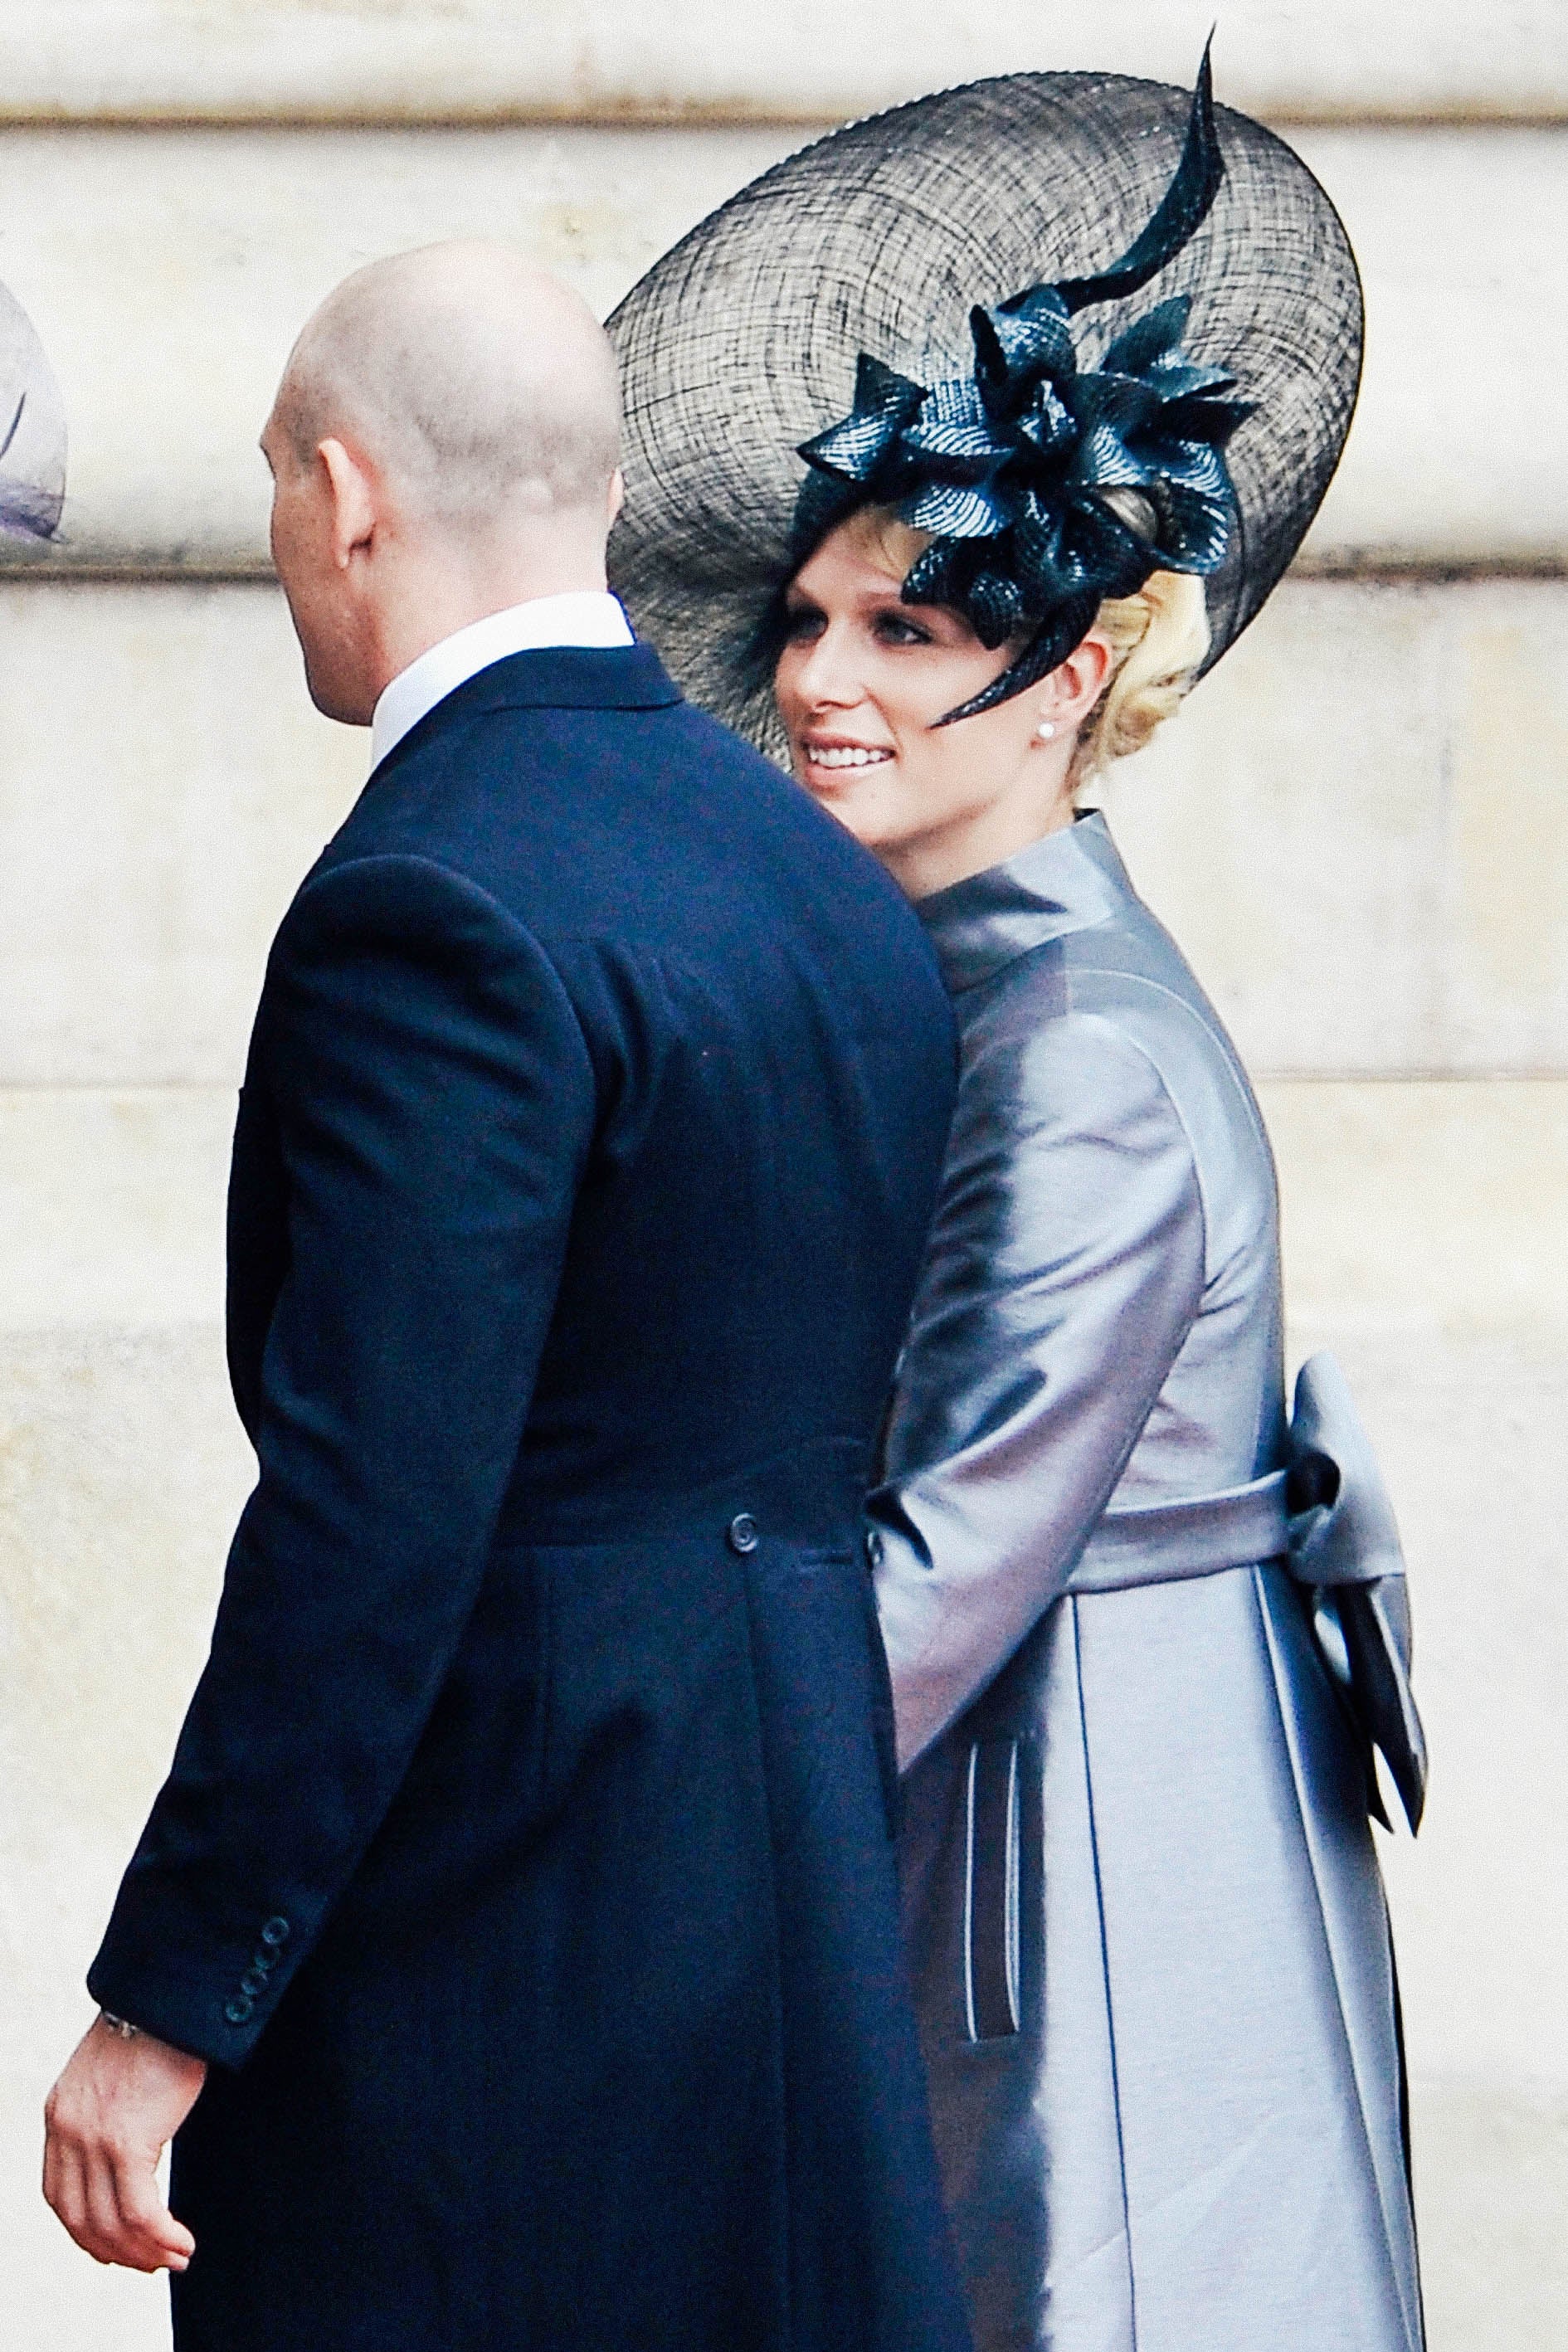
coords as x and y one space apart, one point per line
549 677
1068 881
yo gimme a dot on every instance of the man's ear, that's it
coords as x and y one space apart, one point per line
352 492
617 494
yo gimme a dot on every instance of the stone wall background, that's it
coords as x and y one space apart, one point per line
1357 830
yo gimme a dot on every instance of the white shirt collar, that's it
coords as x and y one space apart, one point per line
587 616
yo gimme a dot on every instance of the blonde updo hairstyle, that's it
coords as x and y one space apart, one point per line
1158 639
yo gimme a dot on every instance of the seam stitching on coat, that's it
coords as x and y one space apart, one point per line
1105 1977
318 880
1234 1068
1136 1045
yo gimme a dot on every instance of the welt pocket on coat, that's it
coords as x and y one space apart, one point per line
992 1873
792 1563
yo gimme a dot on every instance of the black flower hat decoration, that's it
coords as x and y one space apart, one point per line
1046 486
740 342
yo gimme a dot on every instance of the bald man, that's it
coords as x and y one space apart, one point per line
513 1945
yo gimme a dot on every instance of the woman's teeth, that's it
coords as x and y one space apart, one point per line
847 755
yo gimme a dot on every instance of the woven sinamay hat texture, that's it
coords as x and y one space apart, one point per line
744 342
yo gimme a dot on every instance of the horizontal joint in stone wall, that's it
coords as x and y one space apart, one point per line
619 61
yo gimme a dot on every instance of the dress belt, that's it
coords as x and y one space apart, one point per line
1164 1543
1327 1517
1327 1513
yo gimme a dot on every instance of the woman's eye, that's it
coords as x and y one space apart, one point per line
895 629
802 623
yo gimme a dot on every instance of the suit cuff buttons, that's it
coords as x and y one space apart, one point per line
253 1983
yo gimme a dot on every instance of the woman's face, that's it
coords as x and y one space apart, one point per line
860 685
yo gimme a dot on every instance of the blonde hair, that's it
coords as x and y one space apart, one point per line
1158 639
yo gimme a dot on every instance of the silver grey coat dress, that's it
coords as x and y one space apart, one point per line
1148 1927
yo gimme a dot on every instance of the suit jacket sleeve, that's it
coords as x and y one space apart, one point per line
433 1101
1064 1271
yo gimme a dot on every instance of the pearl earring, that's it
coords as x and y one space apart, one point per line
1045 729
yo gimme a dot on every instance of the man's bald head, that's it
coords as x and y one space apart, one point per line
482 389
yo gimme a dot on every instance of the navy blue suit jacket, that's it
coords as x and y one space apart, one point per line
523 1867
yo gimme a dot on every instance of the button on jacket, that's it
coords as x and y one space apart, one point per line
524 1868
1152 1957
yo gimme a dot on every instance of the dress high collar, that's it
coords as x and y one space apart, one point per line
1065 882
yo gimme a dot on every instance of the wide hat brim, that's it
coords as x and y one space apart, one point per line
741 343
32 430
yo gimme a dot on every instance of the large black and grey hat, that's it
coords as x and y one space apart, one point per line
32 430
1076 327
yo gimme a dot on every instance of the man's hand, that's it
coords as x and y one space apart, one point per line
107 2120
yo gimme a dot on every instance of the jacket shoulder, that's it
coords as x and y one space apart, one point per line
1127 974
1111 1023
658 843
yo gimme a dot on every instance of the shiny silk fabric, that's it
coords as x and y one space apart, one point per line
1150 1939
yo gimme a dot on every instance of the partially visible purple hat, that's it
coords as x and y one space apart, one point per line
32 430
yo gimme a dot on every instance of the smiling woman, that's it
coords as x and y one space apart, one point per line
1146 1924
865 680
